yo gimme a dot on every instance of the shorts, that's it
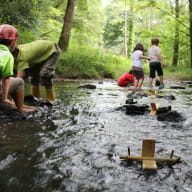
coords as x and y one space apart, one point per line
155 66
138 73
43 73
16 83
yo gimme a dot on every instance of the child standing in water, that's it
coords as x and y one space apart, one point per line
156 63
137 69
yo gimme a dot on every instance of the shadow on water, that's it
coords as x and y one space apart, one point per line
74 146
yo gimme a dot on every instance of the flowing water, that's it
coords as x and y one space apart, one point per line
75 145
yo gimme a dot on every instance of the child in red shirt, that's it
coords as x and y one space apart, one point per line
126 79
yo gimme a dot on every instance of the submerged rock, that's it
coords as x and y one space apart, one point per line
31 100
161 110
136 109
176 87
130 101
172 116
137 94
7 112
169 97
88 86
186 82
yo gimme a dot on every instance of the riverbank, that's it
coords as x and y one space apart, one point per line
166 79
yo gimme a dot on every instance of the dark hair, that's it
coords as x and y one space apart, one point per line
139 46
131 71
155 41
15 52
6 42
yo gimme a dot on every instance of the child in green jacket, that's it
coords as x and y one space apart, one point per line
38 59
10 85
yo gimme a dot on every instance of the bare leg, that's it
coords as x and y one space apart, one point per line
140 82
136 84
18 97
161 79
150 82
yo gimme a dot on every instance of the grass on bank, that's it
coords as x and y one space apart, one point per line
86 63
180 73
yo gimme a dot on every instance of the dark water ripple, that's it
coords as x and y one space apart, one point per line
75 145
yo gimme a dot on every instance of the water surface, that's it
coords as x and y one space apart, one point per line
75 145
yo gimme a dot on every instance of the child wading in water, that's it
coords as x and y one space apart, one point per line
137 69
156 63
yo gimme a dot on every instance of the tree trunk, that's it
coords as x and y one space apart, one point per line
130 29
176 43
65 33
125 31
190 30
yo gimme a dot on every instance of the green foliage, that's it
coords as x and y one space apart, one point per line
88 23
87 62
182 73
96 32
21 12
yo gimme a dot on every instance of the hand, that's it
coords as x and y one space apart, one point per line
163 65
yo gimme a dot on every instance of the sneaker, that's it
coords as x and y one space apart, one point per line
161 86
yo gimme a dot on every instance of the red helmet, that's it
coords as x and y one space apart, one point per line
8 32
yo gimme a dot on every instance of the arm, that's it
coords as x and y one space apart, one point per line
144 57
160 59
5 90
21 74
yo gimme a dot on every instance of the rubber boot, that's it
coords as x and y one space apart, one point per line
36 91
50 95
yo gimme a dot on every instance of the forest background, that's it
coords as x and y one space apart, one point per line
97 37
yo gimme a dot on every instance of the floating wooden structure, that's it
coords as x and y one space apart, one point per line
153 93
154 108
149 161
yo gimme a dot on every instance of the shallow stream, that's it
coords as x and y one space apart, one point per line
75 145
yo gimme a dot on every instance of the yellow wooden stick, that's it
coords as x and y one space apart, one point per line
153 93
158 159
154 107
148 150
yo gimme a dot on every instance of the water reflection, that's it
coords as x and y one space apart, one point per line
75 145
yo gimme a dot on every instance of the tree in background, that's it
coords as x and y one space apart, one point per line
147 19
125 30
88 24
190 31
94 27
130 28
23 13
176 41
114 34
65 33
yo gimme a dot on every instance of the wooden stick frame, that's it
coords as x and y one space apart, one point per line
148 159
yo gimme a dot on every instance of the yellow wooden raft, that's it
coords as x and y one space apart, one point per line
147 158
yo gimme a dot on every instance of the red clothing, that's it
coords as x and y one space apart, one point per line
125 79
